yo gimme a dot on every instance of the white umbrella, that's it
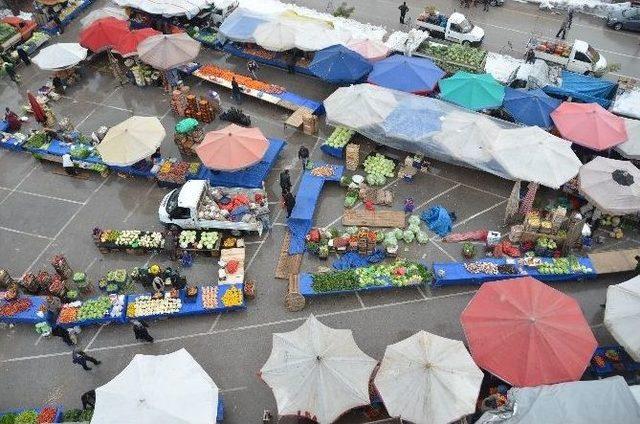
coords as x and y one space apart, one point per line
105 12
467 138
631 149
359 106
369 49
317 39
317 371
59 56
168 51
613 186
158 389
276 36
131 141
428 379
532 154
622 315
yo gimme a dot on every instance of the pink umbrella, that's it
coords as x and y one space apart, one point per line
127 45
369 49
589 125
232 148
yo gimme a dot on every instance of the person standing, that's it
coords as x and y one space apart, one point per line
54 306
58 22
88 399
171 244
569 18
24 56
530 56
11 71
13 120
81 358
140 331
63 333
285 181
563 28
235 90
252 67
485 5
68 165
403 11
289 202
303 155
58 85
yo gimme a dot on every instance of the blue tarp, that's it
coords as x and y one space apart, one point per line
584 88
413 119
438 220
340 65
4 125
251 177
532 107
315 107
240 25
30 316
408 74
355 260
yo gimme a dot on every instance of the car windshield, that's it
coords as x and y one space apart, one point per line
465 26
629 13
593 54
172 202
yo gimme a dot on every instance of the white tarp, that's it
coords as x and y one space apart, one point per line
502 67
168 8
606 401
622 315
630 149
628 104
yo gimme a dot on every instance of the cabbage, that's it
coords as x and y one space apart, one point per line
390 240
422 237
408 236
414 228
351 230
398 232
414 219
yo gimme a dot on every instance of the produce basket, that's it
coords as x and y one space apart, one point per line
60 264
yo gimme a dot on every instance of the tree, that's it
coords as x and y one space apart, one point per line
344 11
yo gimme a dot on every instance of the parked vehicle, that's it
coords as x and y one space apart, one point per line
195 205
456 27
625 19
578 57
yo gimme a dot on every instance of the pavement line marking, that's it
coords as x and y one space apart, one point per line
109 106
635 57
249 327
215 323
360 300
423 204
278 224
249 243
440 248
95 336
424 296
469 186
38 340
64 227
139 201
464 221
91 264
25 233
46 196
234 389
96 108
13 190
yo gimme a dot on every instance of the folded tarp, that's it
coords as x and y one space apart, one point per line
584 88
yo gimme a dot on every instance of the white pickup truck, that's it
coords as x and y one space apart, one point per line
197 205
578 57
456 27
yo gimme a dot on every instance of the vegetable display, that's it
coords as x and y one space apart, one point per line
145 306
94 308
454 57
569 265
340 137
378 169
209 297
227 75
29 416
15 307
189 239
77 415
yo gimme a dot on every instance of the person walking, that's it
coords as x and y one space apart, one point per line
289 202
235 90
530 56
303 155
569 18
252 67
88 399
140 331
23 56
10 69
403 11
285 181
81 358
63 333
58 22
563 28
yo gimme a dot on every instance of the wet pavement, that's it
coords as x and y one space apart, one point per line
43 213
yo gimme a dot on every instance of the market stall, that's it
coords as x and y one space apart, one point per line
612 360
23 310
100 310
408 74
71 10
45 414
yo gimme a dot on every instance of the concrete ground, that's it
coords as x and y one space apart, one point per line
42 213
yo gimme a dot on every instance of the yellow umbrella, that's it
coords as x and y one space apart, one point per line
131 141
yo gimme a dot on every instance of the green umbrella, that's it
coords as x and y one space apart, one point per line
472 91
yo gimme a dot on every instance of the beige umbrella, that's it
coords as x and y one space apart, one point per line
131 141
613 186
276 36
359 106
631 149
166 51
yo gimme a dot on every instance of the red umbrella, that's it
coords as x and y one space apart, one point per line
103 34
528 333
36 108
127 45
589 125
232 148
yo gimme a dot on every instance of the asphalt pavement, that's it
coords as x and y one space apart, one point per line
43 213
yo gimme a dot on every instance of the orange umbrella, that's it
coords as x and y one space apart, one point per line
36 108
128 44
232 148
528 333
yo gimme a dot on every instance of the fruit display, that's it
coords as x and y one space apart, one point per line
173 172
555 48
146 306
340 137
232 297
454 57
29 416
9 309
559 266
259 52
378 169
94 309
244 81
47 415
37 39
546 243
323 171
209 297
481 267
68 314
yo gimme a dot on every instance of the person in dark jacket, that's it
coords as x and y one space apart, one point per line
235 90
63 333
171 244
58 85
289 202
403 11
285 181
24 56
13 120
88 399
11 71
530 56
81 358
140 331
303 155
563 29
485 5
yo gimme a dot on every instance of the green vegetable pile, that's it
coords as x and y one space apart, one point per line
77 415
27 417
335 281
339 137
559 266
94 308
6 32
36 141
80 151
206 36
9 418
454 57
378 169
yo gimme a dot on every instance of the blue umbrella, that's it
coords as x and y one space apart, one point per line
531 107
340 65
413 119
409 74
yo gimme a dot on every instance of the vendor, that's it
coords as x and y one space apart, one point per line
68 165
171 245
58 85
13 120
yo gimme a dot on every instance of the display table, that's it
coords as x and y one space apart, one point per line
608 366
120 318
454 273
278 61
233 254
30 316
52 29
57 418
305 285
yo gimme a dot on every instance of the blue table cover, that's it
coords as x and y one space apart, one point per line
30 316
